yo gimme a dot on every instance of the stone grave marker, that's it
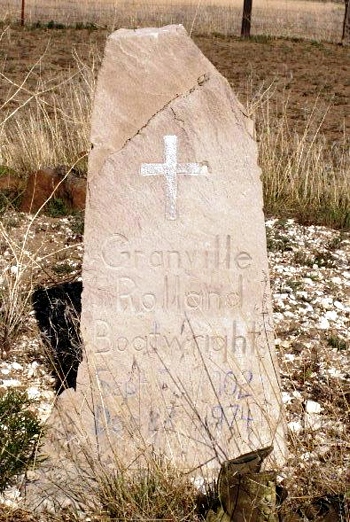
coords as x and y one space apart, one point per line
176 314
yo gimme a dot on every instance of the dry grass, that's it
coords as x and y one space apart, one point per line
8 514
155 491
293 18
303 175
48 125
317 476
15 289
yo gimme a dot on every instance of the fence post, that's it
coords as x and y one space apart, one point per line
246 18
22 13
346 24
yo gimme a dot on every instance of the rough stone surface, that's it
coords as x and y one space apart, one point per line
176 314
9 183
45 182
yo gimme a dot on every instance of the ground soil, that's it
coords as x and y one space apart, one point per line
306 74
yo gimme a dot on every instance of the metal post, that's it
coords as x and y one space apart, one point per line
346 24
22 13
246 18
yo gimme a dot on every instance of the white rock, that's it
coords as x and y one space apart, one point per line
17 366
313 407
10 497
327 303
336 280
295 426
286 397
32 370
10 383
306 456
302 294
339 305
289 314
14 270
315 275
331 315
33 392
285 344
290 357
308 281
333 372
323 324
32 475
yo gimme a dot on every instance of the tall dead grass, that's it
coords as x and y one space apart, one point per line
48 125
304 175
291 18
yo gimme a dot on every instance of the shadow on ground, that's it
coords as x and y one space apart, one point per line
57 311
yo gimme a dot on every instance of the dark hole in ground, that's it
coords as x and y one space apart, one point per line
57 311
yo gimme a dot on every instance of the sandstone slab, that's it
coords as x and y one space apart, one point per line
176 314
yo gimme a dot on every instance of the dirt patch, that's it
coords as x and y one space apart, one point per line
310 78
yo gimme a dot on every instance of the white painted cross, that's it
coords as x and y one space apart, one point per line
170 169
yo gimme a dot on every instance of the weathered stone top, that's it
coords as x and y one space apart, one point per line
159 65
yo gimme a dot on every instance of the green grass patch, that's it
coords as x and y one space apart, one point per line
20 432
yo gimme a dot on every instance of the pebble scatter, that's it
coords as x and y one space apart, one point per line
310 287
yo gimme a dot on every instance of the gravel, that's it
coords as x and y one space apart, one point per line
310 285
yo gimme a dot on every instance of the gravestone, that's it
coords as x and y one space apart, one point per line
176 313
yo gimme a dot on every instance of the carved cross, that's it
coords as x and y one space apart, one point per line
170 169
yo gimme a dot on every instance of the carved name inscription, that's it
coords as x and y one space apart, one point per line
177 289
216 253
176 293
180 306
236 341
